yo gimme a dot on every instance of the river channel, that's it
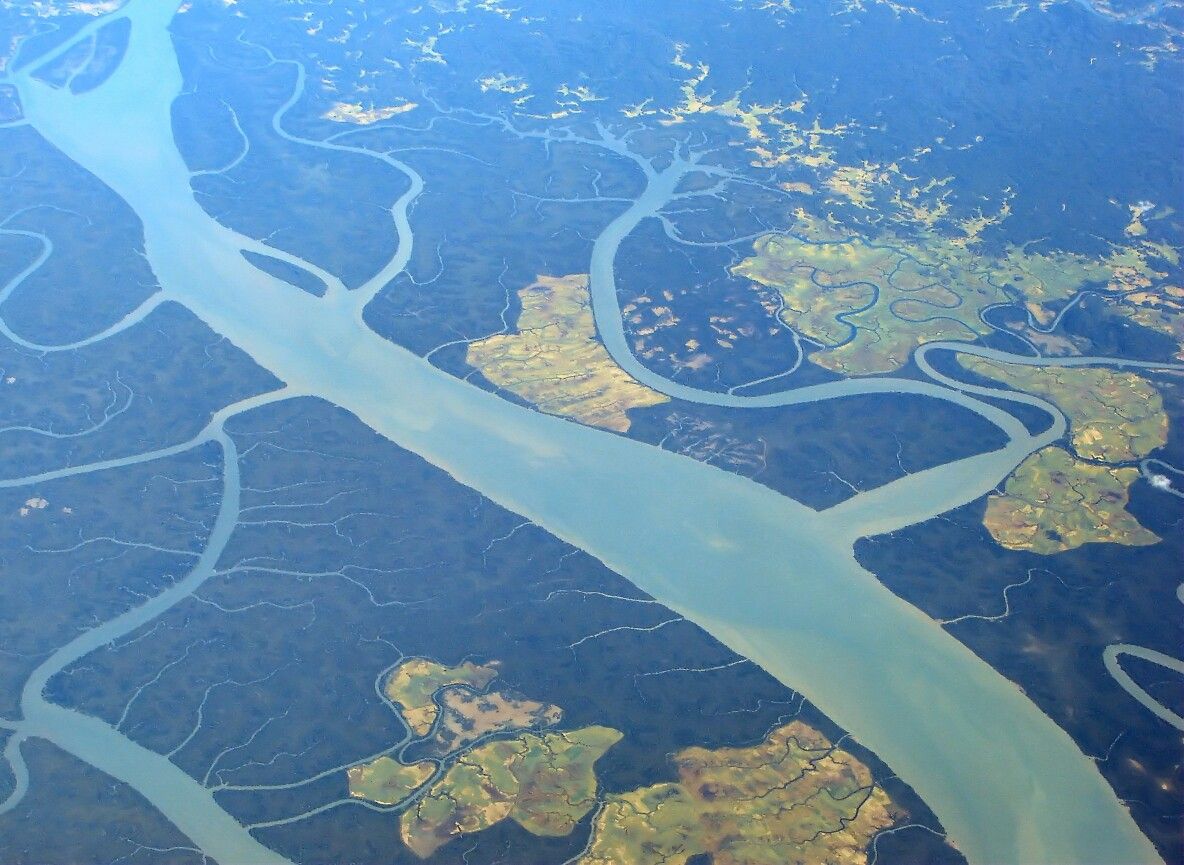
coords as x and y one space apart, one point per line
772 579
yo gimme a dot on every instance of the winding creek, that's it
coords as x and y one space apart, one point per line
774 580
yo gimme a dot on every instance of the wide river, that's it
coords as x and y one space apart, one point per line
769 577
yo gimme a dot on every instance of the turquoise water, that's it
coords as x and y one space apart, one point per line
772 579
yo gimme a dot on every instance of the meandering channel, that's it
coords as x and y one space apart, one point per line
771 578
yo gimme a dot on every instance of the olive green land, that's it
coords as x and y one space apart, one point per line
868 302
555 360
413 684
1054 502
545 783
793 798
1113 416
387 781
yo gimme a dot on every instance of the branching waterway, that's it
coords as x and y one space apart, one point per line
769 577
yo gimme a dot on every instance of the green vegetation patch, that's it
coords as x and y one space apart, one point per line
544 782
869 302
413 684
793 798
1113 416
556 361
1054 502
387 781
